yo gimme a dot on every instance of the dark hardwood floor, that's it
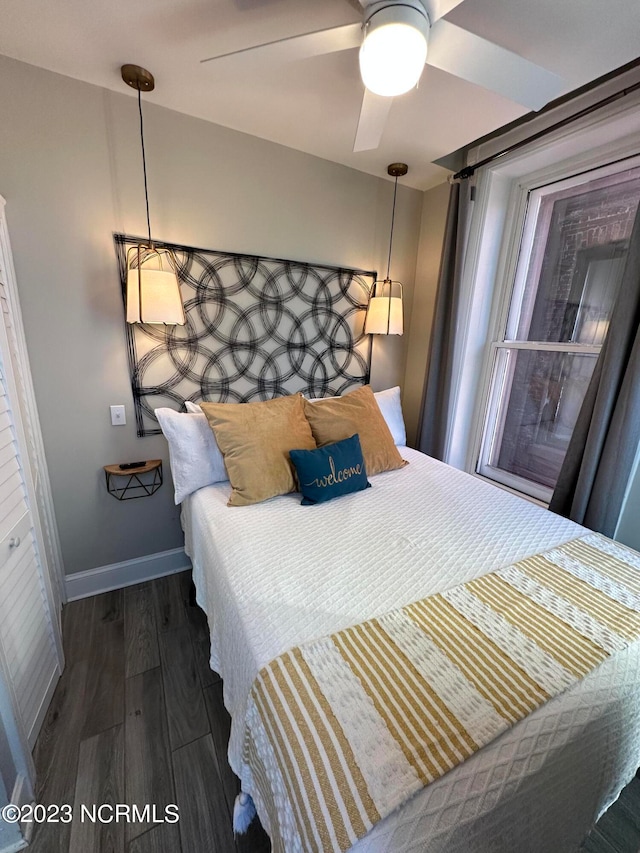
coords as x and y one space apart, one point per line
138 718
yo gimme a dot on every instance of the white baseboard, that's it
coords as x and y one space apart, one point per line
20 796
117 575
23 794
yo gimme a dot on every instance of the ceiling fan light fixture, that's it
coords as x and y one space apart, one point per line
394 49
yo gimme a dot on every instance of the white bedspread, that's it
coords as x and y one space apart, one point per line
277 574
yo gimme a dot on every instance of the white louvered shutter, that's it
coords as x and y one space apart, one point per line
29 637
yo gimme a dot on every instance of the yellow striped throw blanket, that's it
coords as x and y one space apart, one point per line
342 730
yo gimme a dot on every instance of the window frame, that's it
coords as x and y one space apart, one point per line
599 140
522 485
508 341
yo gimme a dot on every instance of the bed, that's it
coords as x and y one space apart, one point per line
273 575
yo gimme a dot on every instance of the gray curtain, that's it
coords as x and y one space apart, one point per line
602 449
434 412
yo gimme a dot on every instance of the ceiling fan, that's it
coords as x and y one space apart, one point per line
396 38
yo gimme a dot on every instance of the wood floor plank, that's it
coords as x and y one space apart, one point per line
220 723
140 632
597 843
164 838
205 820
171 595
56 756
104 695
77 628
254 840
186 711
618 830
109 607
148 773
100 781
201 645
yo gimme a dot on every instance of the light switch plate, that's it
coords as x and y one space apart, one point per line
118 416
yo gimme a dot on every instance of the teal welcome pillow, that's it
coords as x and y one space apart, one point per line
330 471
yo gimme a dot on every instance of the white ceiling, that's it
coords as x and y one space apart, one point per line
313 105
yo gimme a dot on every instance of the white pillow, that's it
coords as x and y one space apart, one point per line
389 404
391 408
194 455
194 408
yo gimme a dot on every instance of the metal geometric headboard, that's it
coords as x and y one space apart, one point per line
256 328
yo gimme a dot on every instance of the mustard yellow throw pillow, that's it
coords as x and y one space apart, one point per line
340 417
255 440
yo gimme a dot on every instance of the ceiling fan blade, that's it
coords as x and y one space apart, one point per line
437 9
300 47
373 117
480 61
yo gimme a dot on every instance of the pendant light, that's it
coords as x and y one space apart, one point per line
153 289
384 314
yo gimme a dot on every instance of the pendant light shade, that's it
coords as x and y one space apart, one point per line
384 315
152 292
384 312
153 287
394 49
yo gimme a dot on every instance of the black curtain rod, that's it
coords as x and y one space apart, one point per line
469 171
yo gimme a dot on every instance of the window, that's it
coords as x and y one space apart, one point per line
570 263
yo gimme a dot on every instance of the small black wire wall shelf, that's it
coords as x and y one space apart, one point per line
139 481
256 328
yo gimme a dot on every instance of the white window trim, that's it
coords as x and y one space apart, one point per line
490 437
611 134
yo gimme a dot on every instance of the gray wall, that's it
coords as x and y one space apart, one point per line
70 171
434 215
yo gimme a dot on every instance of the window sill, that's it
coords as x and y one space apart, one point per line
526 497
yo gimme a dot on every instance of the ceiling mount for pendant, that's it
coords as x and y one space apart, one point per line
138 78
397 170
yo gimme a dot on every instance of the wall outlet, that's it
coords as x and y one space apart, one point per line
118 416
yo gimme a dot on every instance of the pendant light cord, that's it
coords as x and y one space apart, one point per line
393 216
144 166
